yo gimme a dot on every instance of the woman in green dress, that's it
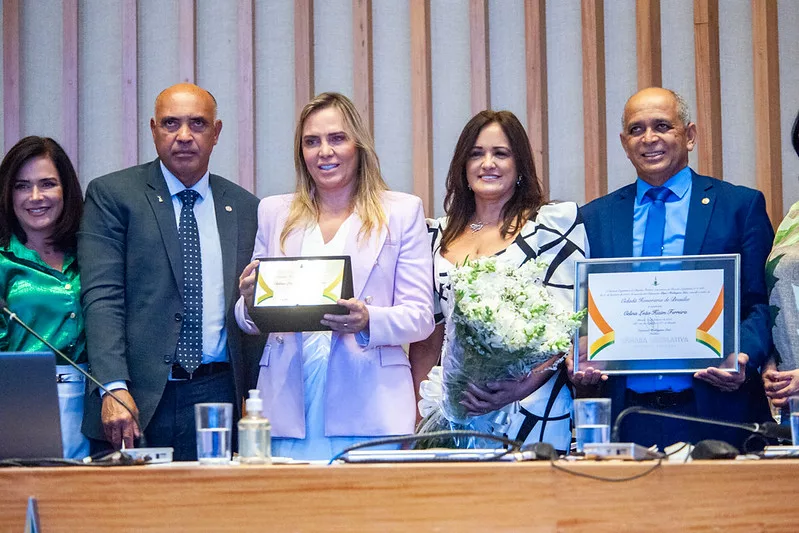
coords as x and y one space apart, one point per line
40 208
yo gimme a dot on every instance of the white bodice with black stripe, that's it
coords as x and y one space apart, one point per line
556 236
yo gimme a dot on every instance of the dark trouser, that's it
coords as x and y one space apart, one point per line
173 421
647 430
172 424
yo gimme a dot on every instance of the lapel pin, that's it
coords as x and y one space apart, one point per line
161 200
228 208
705 201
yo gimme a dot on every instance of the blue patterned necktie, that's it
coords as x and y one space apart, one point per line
190 343
655 222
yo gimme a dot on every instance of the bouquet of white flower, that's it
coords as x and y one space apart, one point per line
504 324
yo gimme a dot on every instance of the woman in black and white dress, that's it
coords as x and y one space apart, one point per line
495 206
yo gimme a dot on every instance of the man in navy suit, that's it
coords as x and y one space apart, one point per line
698 215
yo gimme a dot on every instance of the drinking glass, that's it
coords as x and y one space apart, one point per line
214 430
592 421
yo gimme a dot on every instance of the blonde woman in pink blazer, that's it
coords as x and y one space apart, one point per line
326 390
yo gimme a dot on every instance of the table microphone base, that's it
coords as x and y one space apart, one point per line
151 455
620 450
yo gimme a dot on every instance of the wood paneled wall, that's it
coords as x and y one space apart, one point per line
422 103
708 86
765 75
767 104
11 58
594 129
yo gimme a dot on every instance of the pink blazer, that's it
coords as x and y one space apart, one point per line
369 388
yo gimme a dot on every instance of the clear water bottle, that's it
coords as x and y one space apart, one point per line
255 445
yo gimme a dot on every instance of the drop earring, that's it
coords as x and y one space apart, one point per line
519 180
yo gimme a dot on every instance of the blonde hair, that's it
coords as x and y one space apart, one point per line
369 183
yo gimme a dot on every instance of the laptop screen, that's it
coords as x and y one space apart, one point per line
30 425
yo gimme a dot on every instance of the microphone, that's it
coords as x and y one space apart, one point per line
767 429
13 316
772 430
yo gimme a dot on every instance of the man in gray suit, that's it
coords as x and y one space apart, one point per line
160 250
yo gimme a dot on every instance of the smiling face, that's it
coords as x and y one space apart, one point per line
491 166
655 139
185 131
38 197
329 151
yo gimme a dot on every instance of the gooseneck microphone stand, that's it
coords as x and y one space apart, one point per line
13 317
766 429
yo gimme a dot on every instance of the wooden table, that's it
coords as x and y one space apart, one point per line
728 496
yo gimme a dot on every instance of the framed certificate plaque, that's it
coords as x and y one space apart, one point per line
661 315
293 293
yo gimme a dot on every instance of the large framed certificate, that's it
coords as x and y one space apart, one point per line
293 293
658 315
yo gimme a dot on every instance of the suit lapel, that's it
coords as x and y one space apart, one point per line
161 204
703 200
227 224
363 257
293 245
622 233
364 253
621 214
